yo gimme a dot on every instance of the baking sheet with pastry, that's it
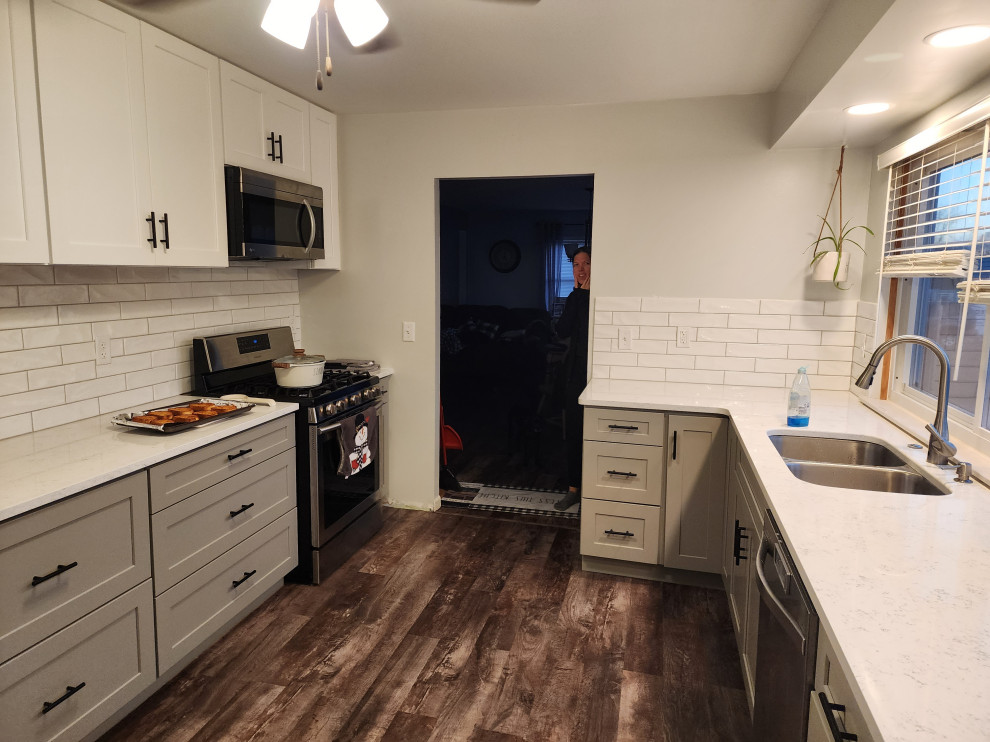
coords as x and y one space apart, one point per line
178 417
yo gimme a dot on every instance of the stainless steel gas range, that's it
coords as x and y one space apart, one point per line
340 440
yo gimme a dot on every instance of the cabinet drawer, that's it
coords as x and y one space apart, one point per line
100 536
190 533
617 530
628 426
203 602
193 472
622 472
110 653
831 680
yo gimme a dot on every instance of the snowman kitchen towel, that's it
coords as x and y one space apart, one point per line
358 436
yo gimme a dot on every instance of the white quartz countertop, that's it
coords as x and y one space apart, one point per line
43 467
901 582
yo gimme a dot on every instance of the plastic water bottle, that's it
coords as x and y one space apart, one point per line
799 400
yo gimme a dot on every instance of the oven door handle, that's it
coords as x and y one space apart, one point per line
333 426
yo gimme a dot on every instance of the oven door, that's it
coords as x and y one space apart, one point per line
336 502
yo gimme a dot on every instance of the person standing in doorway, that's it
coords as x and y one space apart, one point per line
573 324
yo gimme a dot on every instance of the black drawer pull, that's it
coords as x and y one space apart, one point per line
242 452
623 427
243 508
737 547
829 708
59 570
610 532
673 454
271 138
154 235
247 576
279 148
69 691
164 223
621 473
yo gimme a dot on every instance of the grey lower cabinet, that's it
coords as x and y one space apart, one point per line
743 530
653 490
833 709
77 634
106 594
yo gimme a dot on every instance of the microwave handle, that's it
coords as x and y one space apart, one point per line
312 225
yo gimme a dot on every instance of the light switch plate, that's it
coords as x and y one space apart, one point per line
625 338
408 332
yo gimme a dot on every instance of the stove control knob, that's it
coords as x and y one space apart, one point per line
355 399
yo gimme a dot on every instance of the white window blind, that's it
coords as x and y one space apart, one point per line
937 210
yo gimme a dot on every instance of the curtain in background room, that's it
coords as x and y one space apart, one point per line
552 254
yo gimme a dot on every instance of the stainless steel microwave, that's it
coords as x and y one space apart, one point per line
272 218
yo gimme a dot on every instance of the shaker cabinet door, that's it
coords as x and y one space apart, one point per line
91 88
23 230
323 156
185 139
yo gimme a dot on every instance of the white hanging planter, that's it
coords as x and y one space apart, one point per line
825 268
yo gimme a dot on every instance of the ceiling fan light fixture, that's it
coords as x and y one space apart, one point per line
958 36
289 20
362 20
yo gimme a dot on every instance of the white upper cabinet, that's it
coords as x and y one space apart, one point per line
90 79
264 127
185 139
323 151
131 129
23 230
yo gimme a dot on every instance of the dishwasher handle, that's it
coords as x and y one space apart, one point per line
772 602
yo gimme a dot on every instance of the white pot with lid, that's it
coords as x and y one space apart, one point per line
299 370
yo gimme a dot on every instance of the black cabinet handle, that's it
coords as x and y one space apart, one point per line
69 691
247 576
673 454
610 532
242 452
279 148
164 223
243 508
154 235
830 708
59 570
621 473
623 427
737 547
271 138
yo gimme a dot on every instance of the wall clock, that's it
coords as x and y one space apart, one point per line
504 256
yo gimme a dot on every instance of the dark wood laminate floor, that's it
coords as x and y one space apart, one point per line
448 628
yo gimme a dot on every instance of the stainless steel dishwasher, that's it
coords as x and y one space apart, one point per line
786 643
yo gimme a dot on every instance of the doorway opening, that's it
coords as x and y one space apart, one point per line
505 272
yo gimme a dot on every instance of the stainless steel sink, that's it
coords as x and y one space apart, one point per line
874 478
835 450
851 463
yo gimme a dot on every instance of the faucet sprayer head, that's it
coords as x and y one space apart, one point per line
866 378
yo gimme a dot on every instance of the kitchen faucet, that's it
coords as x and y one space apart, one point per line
939 448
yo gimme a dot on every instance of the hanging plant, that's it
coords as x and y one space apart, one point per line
828 259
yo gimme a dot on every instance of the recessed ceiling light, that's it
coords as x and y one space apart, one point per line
959 36
865 109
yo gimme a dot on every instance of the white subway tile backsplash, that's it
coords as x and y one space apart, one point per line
603 318
37 296
831 383
785 365
179 275
72 313
867 309
790 337
25 275
729 306
278 312
643 319
698 349
695 376
614 359
11 340
841 307
230 302
137 309
13 383
8 296
662 304
132 274
170 323
94 274
67 373
95 388
172 356
62 414
17 317
834 368
155 291
838 338
653 360
760 321
172 388
814 322
657 333
602 344
124 364
211 288
122 328
726 363
150 377
42 337
117 292
791 306
756 350
690 319
122 400
211 319
649 346
618 304
820 352
15 425
638 373
25 360
719 335
742 378
14 404
607 331
192 306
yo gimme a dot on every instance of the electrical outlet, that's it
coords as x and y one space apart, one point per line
625 338
103 351
683 341
408 332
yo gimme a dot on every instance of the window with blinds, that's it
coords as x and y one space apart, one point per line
938 216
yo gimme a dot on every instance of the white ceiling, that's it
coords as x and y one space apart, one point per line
456 54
